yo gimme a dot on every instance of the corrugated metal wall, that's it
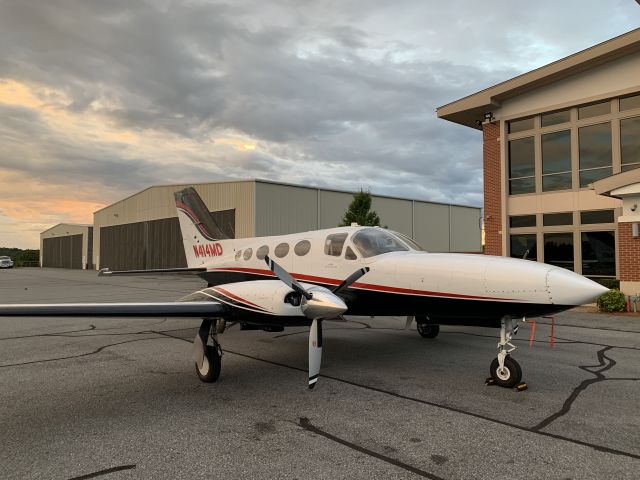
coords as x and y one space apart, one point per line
282 209
438 227
62 252
465 229
151 244
431 224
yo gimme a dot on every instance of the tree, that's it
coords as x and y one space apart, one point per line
359 211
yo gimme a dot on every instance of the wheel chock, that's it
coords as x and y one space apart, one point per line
489 381
521 387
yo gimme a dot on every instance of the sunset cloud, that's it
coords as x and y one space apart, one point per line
101 99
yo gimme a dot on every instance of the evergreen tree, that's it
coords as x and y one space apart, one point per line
359 211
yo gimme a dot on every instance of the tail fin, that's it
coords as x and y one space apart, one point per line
200 232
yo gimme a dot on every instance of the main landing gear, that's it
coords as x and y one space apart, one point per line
504 370
426 330
208 358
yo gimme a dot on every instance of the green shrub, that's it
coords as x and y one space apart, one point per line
612 301
608 282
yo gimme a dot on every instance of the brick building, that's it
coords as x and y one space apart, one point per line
561 145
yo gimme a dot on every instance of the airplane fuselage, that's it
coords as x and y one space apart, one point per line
462 289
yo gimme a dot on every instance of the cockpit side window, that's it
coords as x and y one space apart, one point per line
376 241
334 243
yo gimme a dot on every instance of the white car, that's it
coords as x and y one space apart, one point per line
6 262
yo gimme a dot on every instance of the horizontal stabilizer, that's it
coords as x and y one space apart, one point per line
157 309
158 271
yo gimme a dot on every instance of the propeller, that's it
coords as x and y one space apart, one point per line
286 278
317 304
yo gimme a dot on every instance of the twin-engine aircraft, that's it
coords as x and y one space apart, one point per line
306 278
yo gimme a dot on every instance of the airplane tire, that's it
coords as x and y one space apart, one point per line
428 330
510 376
211 366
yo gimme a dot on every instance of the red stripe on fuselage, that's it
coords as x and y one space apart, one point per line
366 286
237 298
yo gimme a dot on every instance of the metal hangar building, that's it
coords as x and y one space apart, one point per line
142 231
67 245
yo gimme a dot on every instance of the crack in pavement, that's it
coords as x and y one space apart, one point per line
106 471
308 426
573 396
98 350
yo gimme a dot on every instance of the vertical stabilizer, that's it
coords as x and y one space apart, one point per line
201 234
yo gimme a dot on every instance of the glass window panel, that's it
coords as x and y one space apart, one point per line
520 125
629 103
552 219
590 176
302 247
595 145
558 249
281 250
556 152
247 254
524 246
596 216
522 221
334 243
554 118
630 166
522 185
262 252
521 158
630 140
238 254
598 253
559 181
594 110
350 254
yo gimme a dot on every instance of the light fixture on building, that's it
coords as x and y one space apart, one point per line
488 117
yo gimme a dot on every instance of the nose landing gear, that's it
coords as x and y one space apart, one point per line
504 370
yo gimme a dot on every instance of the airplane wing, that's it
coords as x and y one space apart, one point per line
157 271
147 309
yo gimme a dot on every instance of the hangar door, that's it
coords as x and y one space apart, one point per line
151 244
62 252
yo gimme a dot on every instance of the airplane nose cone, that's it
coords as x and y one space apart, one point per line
569 288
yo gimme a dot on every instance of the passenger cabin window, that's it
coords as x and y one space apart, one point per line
262 252
334 243
238 254
247 253
281 250
302 247
350 254
376 241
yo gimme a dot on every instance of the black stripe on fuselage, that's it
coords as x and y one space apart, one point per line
442 310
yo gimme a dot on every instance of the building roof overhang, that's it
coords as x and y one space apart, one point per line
619 185
470 110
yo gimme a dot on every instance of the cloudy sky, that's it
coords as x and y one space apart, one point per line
102 98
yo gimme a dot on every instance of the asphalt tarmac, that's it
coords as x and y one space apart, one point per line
119 398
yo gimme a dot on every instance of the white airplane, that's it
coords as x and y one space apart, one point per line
356 270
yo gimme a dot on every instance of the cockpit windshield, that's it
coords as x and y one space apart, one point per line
409 241
376 241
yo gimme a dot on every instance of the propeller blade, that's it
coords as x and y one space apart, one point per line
350 279
315 352
286 277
